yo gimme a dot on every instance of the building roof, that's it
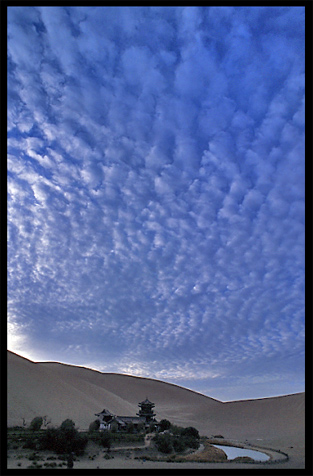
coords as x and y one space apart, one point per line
146 402
104 412
131 419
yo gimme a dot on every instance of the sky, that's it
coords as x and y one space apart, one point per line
156 193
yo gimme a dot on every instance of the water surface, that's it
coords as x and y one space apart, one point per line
233 452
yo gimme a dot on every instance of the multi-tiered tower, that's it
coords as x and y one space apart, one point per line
146 410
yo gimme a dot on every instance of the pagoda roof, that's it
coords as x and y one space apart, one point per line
146 402
104 412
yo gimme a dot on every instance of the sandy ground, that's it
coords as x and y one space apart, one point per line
62 391
94 458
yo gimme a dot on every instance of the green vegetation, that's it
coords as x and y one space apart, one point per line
164 443
94 426
36 423
164 425
106 440
175 438
65 439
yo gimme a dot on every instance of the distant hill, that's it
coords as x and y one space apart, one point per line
63 391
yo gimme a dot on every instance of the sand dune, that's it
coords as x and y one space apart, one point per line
63 391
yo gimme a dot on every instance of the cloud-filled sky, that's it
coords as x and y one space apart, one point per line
156 193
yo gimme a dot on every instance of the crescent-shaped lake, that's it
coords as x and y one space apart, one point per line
233 452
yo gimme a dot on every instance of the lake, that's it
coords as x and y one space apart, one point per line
233 452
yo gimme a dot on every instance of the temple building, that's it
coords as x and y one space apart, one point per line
145 417
105 418
146 410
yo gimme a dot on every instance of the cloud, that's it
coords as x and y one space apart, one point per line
156 189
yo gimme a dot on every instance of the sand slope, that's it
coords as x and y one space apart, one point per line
63 391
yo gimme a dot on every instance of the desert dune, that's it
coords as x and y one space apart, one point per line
62 391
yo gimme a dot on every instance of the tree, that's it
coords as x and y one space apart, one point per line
178 438
64 439
164 443
67 425
179 445
191 437
94 425
164 425
68 430
106 440
36 423
190 431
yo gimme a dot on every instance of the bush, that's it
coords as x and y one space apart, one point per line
67 425
176 430
164 443
106 440
33 457
31 443
94 426
190 431
190 442
179 445
190 436
64 439
164 425
36 423
179 439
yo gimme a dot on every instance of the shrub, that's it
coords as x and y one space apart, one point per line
31 443
94 426
178 439
190 431
107 456
67 425
190 436
179 445
164 425
176 430
106 440
36 423
190 442
50 465
164 443
64 439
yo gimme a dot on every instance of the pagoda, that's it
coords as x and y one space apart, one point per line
146 410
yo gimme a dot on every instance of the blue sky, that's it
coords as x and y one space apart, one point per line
156 193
